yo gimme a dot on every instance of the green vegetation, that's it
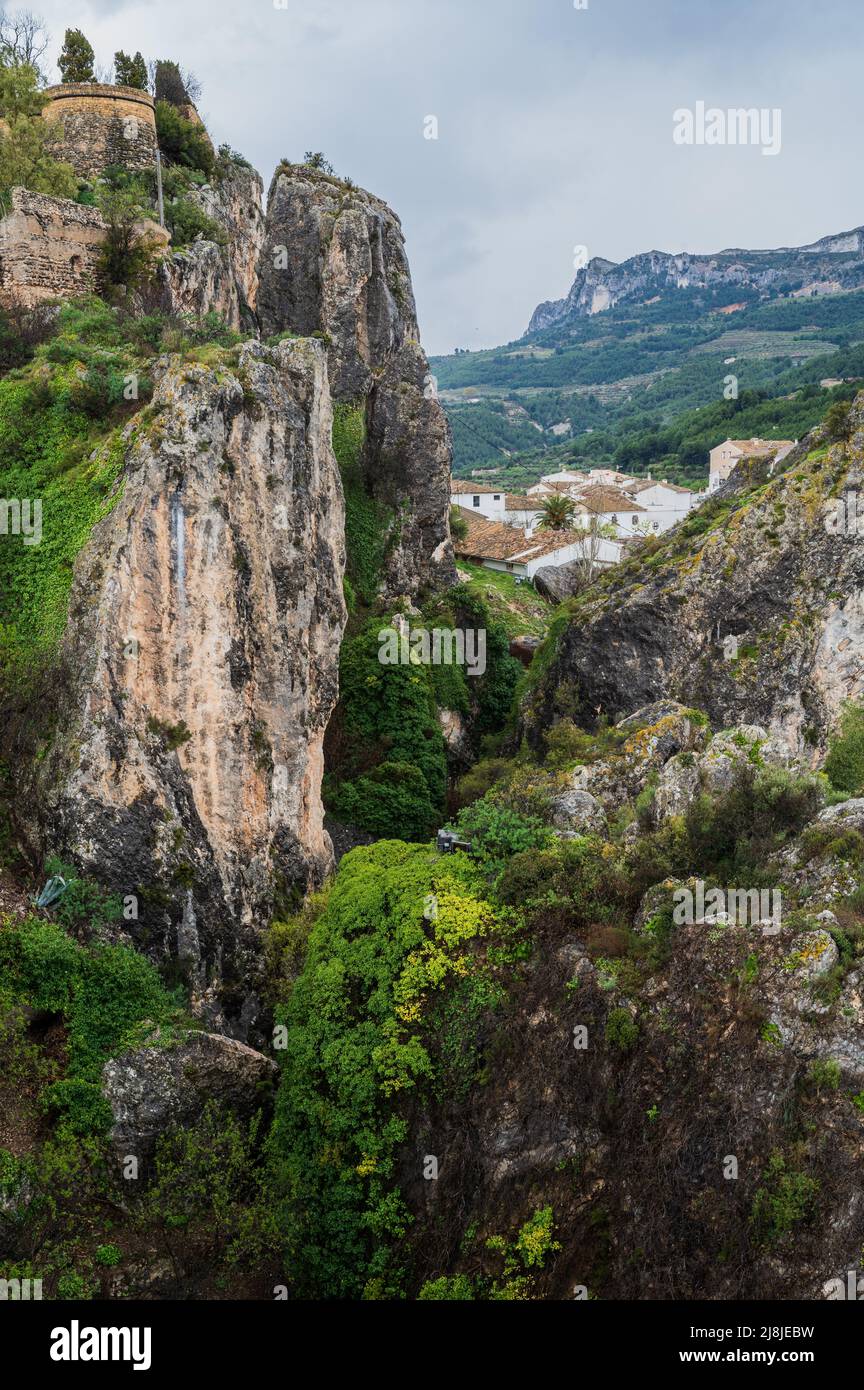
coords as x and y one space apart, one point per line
359 1041
61 416
183 140
25 145
391 770
497 833
130 72
642 385
76 58
844 764
368 524
102 993
786 1197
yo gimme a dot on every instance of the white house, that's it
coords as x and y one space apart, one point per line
723 459
485 501
665 503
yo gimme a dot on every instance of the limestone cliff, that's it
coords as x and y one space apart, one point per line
207 278
826 266
334 264
750 610
205 621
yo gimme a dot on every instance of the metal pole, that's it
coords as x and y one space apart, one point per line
159 187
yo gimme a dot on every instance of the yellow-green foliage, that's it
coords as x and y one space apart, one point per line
401 928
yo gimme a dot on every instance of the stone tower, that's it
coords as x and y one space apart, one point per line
102 125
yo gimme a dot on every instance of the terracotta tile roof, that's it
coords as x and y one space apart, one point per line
492 540
516 502
461 486
751 447
600 500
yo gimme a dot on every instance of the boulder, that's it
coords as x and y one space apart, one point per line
152 1090
579 811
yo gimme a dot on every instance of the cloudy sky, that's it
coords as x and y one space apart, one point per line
554 124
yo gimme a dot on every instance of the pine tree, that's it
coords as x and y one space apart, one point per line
130 72
76 58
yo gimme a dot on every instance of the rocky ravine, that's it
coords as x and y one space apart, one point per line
202 650
751 610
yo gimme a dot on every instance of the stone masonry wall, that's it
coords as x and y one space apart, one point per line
102 125
49 248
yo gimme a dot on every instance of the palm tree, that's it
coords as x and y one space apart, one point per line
557 512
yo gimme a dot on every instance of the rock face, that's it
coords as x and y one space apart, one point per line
205 621
601 284
206 278
333 264
152 1090
750 610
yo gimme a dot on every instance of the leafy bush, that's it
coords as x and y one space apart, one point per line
101 993
622 1030
182 140
359 1040
844 764
187 222
498 833
456 1289
784 1199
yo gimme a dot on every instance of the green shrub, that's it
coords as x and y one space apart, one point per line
497 833
824 1074
622 1030
78 1105
368 523
181 140
102 993
107 1255
187 222
457 1288
844 764
359 1042
784 1199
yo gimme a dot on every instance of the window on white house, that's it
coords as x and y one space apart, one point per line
497 497
634 521
476 501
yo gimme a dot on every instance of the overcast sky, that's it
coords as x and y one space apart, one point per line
554 124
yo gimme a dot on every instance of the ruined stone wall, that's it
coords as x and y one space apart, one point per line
49 248
102 125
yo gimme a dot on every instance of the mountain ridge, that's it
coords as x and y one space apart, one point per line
601 283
